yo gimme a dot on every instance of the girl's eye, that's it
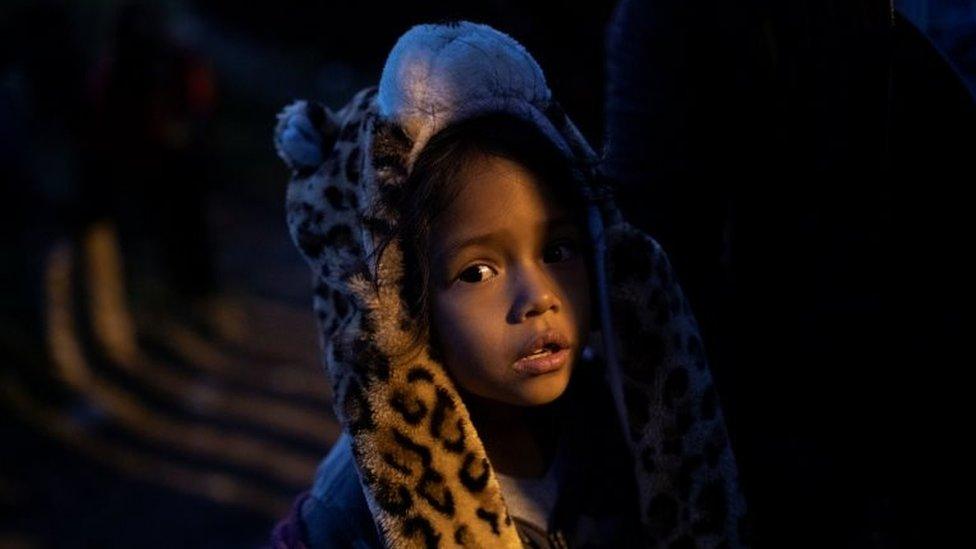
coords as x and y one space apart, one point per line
473 273
561 251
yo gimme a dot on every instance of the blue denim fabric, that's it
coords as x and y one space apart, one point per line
336 513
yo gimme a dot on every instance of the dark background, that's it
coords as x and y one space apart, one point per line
806 165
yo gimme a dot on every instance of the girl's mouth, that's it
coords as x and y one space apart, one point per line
542 362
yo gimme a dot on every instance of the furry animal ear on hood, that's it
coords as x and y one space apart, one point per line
422 466
305 134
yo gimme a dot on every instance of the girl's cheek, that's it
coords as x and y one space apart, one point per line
577 289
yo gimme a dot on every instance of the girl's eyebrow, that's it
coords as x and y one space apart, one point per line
486 238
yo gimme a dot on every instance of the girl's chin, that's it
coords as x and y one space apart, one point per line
523 391
543 389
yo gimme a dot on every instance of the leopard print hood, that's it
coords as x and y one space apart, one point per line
423 469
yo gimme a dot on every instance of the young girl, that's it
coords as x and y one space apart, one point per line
513 364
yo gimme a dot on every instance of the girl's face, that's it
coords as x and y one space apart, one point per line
507 263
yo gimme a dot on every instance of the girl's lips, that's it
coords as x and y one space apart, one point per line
543 364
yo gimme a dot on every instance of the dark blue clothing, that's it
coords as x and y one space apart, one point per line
335 513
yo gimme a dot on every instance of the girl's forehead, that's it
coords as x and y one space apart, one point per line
493 188
499 201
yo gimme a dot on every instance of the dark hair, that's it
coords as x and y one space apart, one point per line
433 185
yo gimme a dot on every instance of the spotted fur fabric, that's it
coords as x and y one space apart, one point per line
424 470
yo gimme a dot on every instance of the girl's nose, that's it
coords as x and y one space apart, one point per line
536 294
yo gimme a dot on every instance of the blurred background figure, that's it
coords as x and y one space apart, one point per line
152 100
805 163
160 383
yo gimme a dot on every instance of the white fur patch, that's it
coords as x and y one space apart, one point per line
439 74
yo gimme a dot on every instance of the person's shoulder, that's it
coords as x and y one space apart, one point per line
336 514
336 479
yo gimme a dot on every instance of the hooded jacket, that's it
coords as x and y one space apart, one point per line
410 468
